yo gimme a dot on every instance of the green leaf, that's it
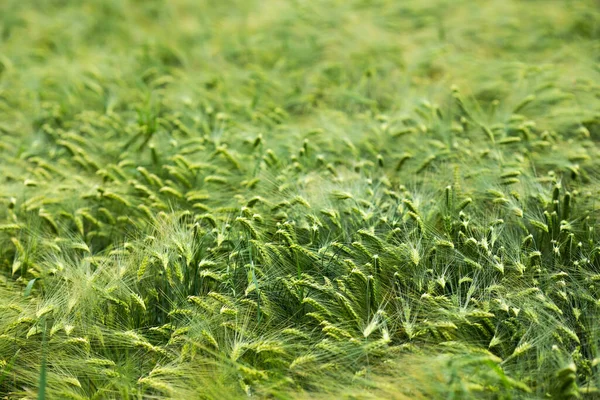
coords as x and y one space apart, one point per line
29 287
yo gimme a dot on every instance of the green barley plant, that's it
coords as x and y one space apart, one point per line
299 200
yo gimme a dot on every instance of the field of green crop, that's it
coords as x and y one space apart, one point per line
299 199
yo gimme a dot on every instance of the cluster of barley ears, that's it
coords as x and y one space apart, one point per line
293 200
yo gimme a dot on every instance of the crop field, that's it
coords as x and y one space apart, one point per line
299 199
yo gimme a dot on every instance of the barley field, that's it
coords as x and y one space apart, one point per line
293 199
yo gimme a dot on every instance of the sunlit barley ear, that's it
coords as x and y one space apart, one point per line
509 140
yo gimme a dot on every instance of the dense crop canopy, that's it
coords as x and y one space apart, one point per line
299 199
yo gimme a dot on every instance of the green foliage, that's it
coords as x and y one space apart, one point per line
324 199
